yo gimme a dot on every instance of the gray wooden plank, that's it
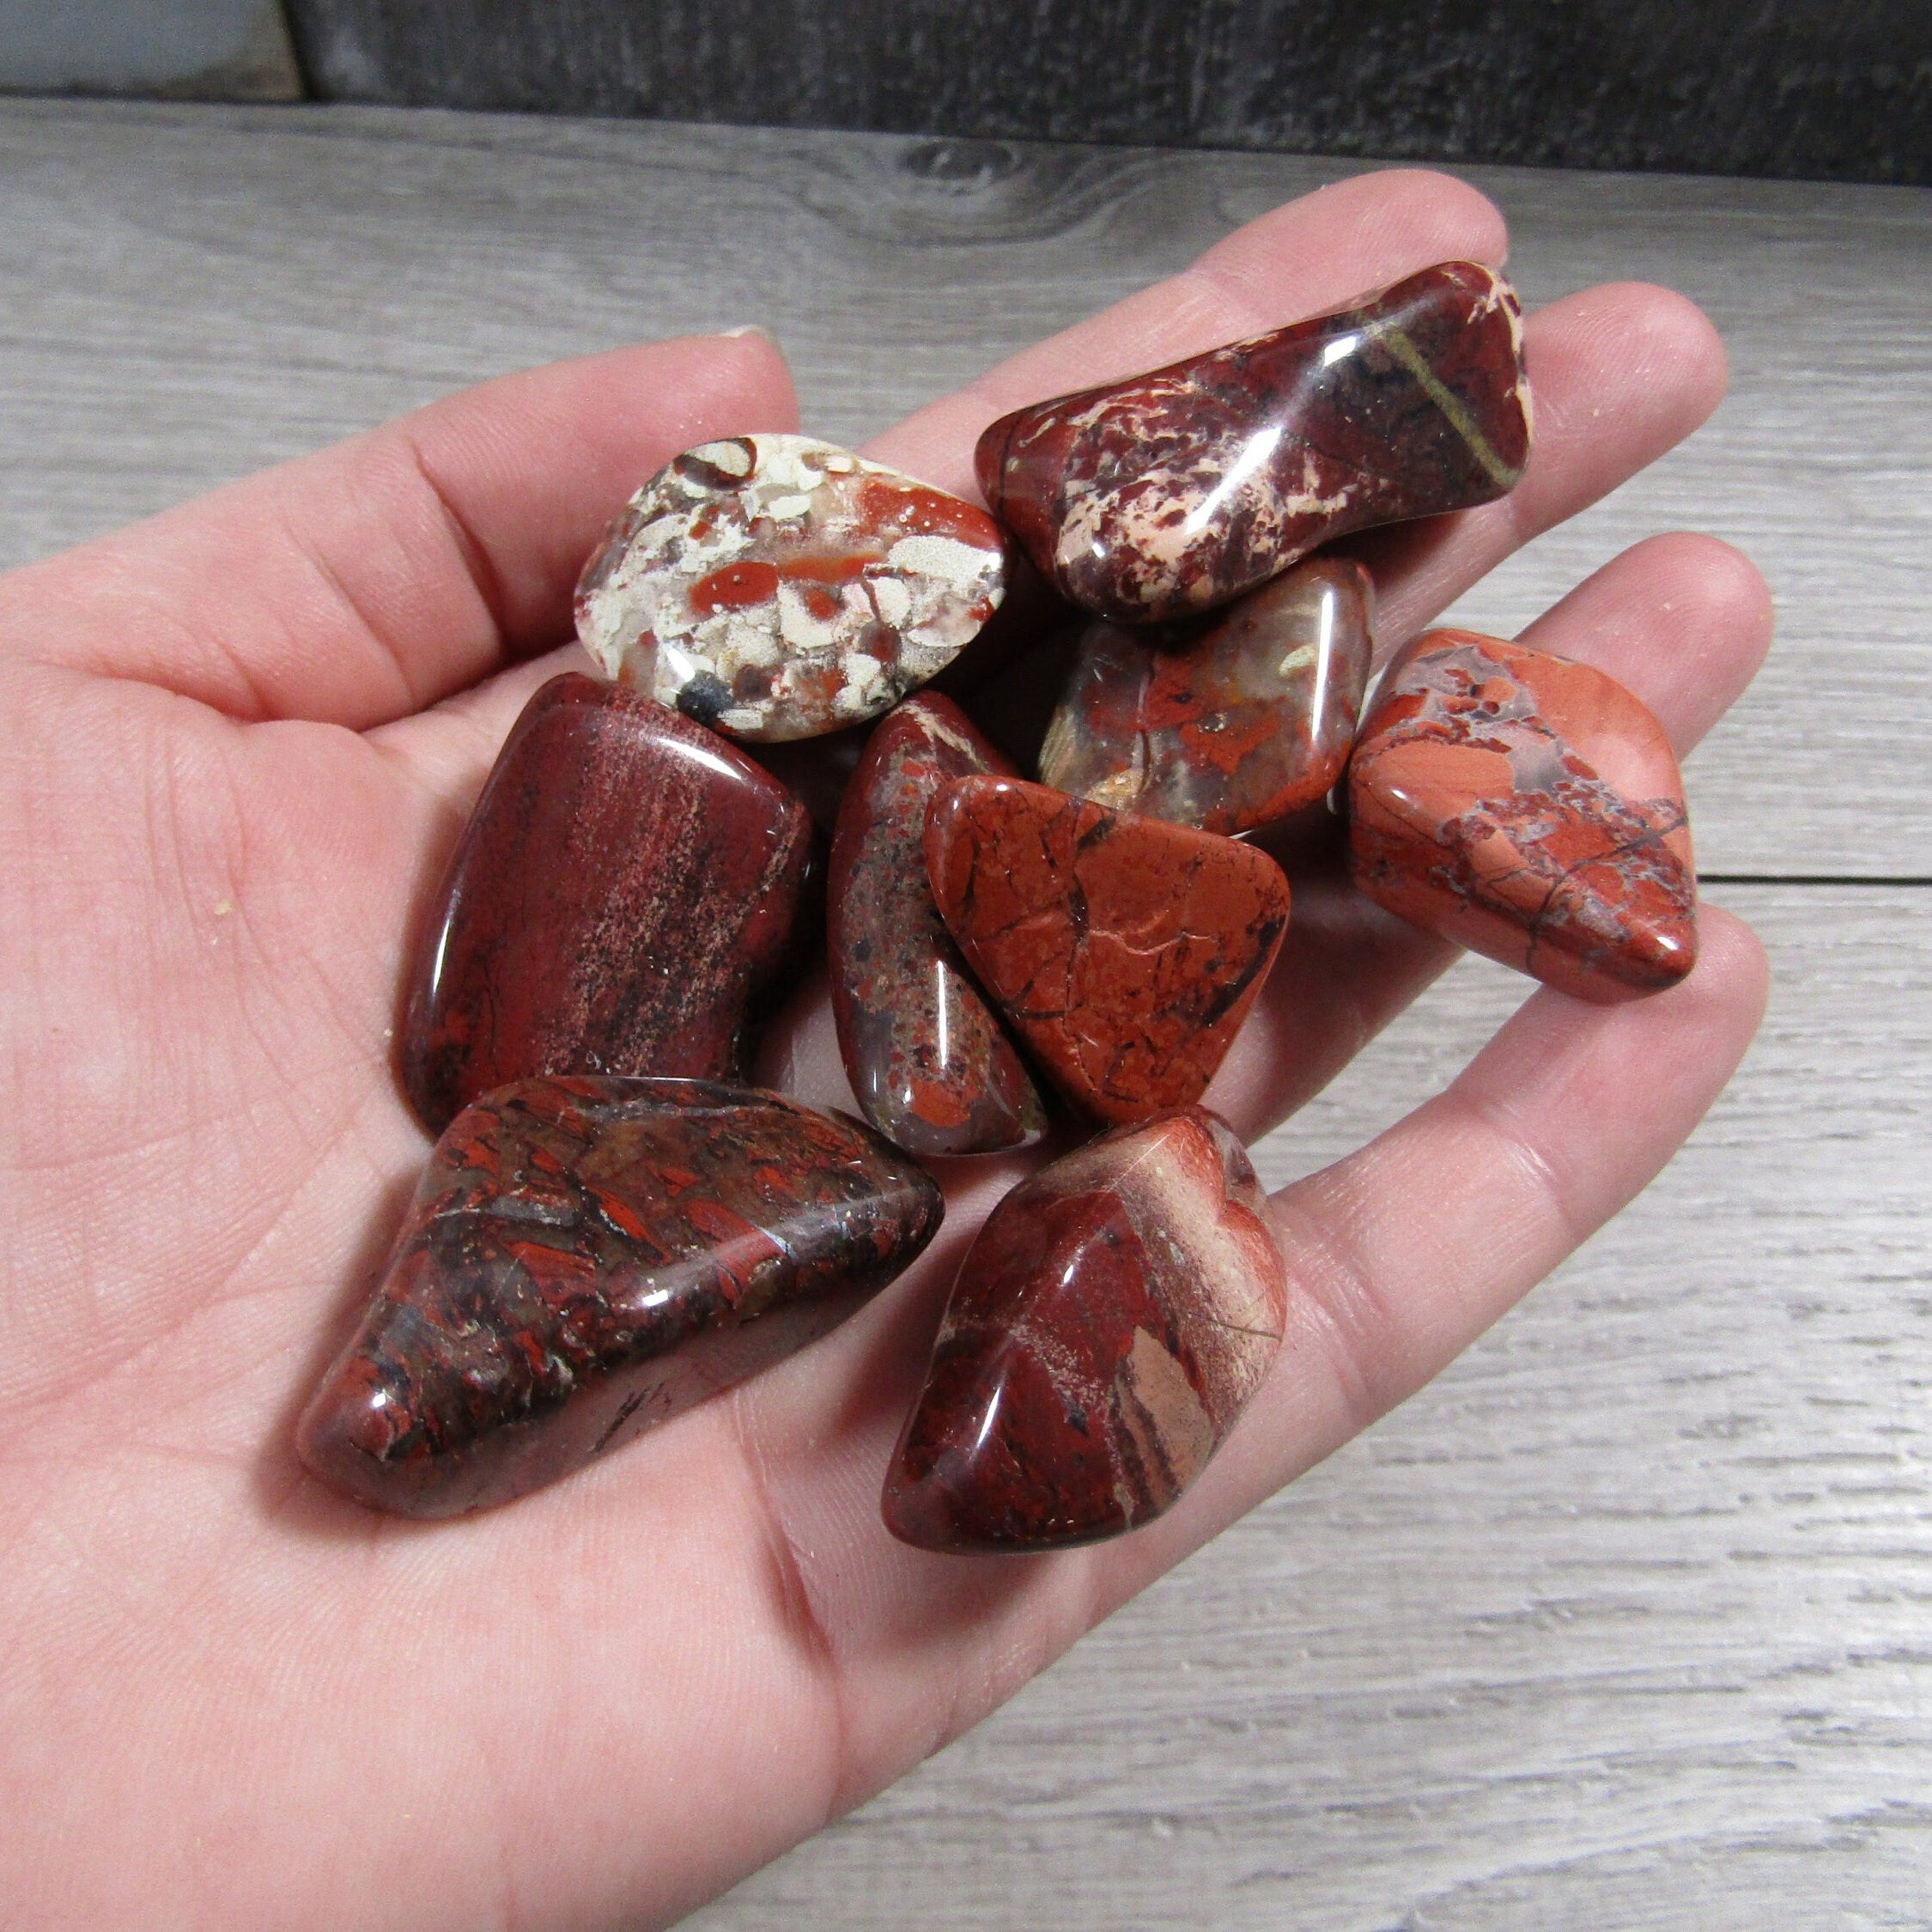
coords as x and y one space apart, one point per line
185 294
1729 87
1622 1623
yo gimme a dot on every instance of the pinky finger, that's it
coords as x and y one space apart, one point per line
1401 1255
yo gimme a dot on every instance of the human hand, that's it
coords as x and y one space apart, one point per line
241 741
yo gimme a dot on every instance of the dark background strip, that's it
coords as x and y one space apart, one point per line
1825 89
1830 89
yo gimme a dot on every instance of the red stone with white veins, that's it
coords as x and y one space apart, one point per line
1175 492
777 586
1528 808
1111 1320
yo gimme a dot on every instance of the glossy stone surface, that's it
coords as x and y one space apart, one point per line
1529 808
931 1067
626 884
1111 1320
587 1257
1173 492
1127 953
777 586
1228 723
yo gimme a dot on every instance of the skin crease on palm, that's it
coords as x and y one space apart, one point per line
240 739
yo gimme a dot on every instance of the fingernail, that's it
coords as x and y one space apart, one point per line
754 329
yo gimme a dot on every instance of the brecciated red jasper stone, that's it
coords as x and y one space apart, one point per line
1170 493
587 1257
777 586
1126 951
931 1067
1529 808
1108 1324
1227 723
627 882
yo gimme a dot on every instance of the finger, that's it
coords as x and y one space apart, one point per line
1296 260
1302 258
1637 366
1560 1121
1619 375
1555 1126
361 583
1682 620
794 1651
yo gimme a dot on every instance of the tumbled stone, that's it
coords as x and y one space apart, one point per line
1172 492
1529 808
627 883
1126 953
587 1257
1227 723
1109 1323
777 586
931 1067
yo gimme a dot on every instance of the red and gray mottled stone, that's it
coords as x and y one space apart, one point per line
1529 808
1171 493
776 586
627 884
1227 723
1126 953
931 1065
587 1257
1111 1320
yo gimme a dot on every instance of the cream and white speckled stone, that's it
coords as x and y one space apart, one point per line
777 586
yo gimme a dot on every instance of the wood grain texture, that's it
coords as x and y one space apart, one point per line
1839 91
1623 1623
162 335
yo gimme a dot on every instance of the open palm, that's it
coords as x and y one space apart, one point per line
238 743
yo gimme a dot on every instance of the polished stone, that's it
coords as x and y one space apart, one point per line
627 883
1170 493
1529 808
1227 723
931 1065
776 586
1126 953
1111 1320
587 1257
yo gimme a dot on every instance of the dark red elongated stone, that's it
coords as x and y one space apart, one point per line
777 586
1167 493
1108 1324
1127 953
626 884
1529 808
1227 723
931 1067
586 1257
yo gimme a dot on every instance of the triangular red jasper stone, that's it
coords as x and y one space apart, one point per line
1110 1321
1126 951
588 1255
1529 808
